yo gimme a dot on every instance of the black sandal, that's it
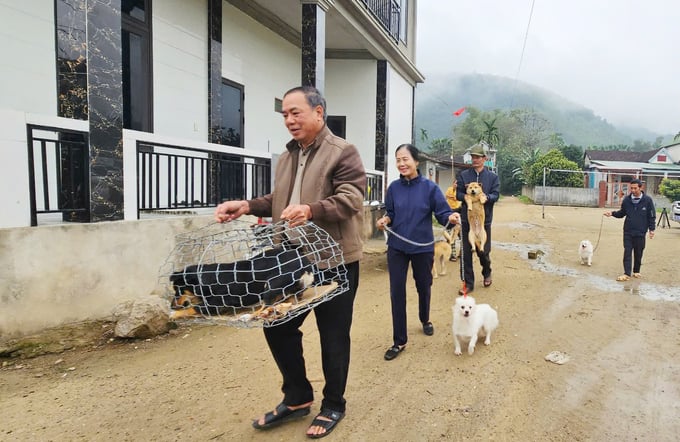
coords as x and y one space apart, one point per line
393 352
328 425
280 415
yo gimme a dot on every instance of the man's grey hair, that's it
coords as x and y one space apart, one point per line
312 95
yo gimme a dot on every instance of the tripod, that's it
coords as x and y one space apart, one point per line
663 219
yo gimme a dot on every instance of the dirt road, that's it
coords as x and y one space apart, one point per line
622 382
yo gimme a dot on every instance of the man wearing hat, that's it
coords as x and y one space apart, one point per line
491 186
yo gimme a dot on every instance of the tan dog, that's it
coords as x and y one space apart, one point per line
475 198
442 252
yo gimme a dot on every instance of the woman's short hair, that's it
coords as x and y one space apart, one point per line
413 150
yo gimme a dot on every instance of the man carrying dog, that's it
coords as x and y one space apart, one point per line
638 209
491 188
319 177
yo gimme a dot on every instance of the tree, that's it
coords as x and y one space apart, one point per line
573 153
440 146
555 161
490 134
676 137
423 136
670 189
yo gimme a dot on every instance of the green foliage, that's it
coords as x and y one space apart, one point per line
440 146
511 184
670 189
573 153
555 160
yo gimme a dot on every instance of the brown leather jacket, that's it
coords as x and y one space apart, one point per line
333 186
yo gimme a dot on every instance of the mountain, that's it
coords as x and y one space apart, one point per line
441 95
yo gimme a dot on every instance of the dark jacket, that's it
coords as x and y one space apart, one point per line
640 217
490 185
410 205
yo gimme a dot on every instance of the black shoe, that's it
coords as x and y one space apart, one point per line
393 352
428 328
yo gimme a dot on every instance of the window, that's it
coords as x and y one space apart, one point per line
137 84
403 21
231 126
661 158
337 125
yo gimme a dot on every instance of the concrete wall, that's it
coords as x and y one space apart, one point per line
54 275
400 115
28 66
562 196
180 68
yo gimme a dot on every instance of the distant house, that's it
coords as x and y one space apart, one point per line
618 168
442 168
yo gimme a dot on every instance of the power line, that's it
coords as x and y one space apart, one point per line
521 57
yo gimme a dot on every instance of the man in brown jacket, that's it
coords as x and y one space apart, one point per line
319 177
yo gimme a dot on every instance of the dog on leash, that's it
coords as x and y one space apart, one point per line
442 253
472 321
585 252
475 198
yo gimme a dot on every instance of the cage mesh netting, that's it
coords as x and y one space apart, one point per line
252 275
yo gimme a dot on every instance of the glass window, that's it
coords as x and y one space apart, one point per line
134 8
136 52
403 21
231 126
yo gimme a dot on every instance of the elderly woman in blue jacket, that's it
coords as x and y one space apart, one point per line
410 203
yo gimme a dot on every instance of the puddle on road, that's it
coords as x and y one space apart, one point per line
653 292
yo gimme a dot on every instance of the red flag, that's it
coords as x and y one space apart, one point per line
459 111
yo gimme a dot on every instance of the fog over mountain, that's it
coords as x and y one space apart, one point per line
443 94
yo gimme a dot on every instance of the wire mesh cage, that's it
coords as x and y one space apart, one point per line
252 275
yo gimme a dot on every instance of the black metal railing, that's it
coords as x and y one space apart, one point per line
175 177
388 13
58 169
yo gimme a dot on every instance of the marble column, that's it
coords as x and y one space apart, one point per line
314 43
215 71
381 115
71 59
105 108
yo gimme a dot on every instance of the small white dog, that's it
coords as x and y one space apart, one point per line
585 252
471 321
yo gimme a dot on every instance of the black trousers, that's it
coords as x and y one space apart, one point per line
397 266
633 246
334 320
484 256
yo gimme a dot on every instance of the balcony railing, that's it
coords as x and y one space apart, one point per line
173 177
388 13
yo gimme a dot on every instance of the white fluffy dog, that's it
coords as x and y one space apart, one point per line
585 252
471 321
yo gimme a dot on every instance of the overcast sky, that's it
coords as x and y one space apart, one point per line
619 58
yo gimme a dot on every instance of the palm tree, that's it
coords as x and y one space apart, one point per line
676 137
490 134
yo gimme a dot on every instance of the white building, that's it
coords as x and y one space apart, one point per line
100 102
113 108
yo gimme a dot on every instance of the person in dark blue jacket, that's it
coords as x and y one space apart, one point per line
491 187
638 209
410 203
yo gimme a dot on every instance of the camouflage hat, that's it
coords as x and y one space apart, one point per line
478 150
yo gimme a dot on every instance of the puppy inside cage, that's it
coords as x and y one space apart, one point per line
253 275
